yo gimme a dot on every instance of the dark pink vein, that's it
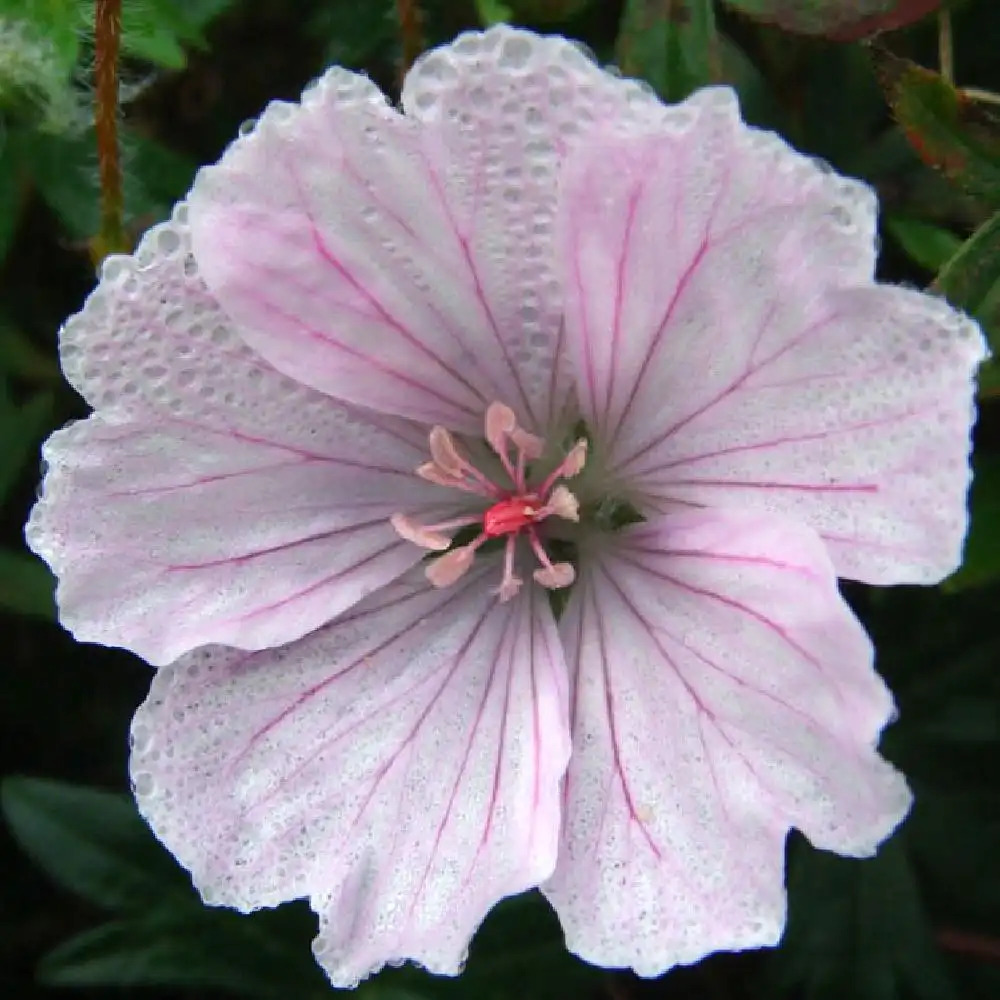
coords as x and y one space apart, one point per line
477 282
609 705
295 543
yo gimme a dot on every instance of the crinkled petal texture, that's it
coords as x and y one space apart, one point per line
405 261
732 349
400 767
209 499
722 692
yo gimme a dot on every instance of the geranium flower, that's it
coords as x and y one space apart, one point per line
391 386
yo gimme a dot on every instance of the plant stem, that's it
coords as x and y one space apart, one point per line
975 94
946 51
974 945
107 41
410 34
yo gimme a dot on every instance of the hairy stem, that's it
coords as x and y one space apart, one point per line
410 34
107 41
946 53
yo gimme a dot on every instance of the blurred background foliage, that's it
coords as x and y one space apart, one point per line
901 93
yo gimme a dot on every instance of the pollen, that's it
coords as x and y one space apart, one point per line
514 510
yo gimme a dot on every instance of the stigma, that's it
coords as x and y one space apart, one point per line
513 510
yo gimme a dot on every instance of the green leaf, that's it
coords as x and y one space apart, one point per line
543 11
92 842
757 101
493 12
971 281
11 198
843 20
857 929
55 21
924 243
982 547
672 44
841 102
21 429
26 586
159 31
64 170
354 33
948 131
265 955
22 359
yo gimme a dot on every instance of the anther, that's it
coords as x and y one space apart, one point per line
500 422
555 575
429 536
452 566
562 503
445 453
426 538
513 511
530 445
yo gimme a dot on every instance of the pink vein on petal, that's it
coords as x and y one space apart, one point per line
270 550
613 731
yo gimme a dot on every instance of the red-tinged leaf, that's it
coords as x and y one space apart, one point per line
947 130
900 14
840 20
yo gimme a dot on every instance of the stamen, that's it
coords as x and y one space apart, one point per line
551 575
445 453
530 445
511 582
452 566
425 537
556 576
500 422
433 473
561 503
429 536
572 465
513 510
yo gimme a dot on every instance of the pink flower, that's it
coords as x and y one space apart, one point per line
648 312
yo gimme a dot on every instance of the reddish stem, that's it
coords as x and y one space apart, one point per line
973 945
410 34
107 41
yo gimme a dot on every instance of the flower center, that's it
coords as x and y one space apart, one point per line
515 510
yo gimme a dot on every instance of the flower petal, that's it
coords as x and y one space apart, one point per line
166 536
152 341
405 262
399 767
762 367
722 692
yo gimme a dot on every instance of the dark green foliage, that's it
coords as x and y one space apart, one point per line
97 903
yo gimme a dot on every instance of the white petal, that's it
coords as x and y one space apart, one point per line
732 348
722 693
400 768
166 536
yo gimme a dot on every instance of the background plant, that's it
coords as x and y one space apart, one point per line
898 92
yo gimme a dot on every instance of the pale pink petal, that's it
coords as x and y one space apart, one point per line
405 262
722 692
731 348
399 767
166 536
152 341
